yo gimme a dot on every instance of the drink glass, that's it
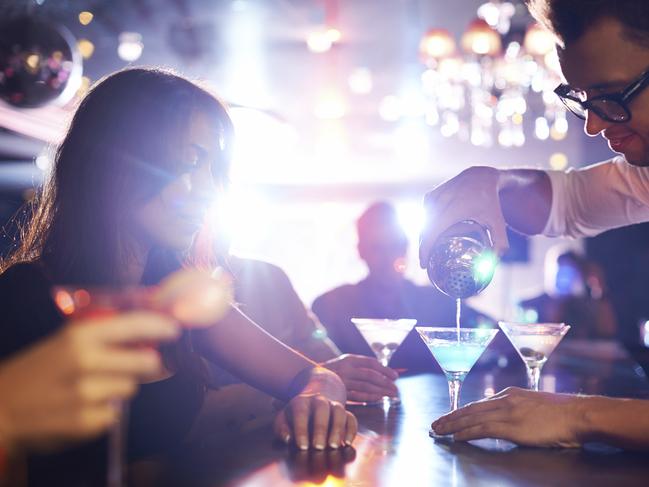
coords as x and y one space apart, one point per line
384 337
534 343
456 351
82 302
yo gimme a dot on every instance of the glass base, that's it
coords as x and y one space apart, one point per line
385 401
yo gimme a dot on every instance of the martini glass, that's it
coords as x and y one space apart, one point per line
384 337
456 351
534 342
79 302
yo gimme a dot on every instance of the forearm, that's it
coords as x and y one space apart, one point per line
525 198
246 350
619 422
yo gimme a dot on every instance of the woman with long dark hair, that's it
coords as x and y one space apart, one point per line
144 155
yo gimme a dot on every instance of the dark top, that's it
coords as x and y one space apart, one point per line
428 306
265 294
161 413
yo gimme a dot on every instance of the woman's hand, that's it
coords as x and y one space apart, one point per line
316 417
524 417
195 298
365 378
65 387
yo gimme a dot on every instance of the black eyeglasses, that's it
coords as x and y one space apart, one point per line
612 107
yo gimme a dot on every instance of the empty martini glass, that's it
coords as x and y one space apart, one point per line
534 342
384 337
456 351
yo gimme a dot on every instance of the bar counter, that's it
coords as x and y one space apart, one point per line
394 448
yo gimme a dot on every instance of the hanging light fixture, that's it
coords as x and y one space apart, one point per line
485 94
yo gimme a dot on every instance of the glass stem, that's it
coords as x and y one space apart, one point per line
117 447
454 386
533 376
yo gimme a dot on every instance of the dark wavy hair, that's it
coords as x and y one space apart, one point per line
121 149
569 19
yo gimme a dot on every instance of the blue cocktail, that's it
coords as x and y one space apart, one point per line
456 351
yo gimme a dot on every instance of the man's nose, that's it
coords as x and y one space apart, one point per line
594 124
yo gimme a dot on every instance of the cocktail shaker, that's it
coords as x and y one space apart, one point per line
462 261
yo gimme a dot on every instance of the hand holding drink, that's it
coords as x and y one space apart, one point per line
188 297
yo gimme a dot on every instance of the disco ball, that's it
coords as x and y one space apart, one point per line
39 63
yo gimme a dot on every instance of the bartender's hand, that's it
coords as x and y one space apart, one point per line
65 387
365 378
521 416
472 195
316 417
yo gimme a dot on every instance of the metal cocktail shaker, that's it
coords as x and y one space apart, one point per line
462 261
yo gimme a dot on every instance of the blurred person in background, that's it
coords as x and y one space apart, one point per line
575 294
603 50
144 155
387 294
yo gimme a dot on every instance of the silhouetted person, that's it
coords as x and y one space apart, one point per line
386 293
575 294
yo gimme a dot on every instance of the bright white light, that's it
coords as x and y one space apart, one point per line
541 128
451 125
411 143
43 162
360 81
264 148
330 106
558 161
130 46
319 41
412 217
391 108
239 216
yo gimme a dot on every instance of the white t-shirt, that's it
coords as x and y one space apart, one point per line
596 198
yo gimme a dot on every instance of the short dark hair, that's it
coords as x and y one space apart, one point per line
570 19
379 213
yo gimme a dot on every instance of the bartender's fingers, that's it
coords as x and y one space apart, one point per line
465 422
471 409
338 425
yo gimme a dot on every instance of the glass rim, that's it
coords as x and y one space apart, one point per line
384 320
533 327
444 329
551 324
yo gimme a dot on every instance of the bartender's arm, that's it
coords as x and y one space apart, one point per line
574 203
551 420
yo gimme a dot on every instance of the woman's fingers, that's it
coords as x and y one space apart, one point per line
316 421
371 390
300 410
320 421
352 428
120 329
368 378
281 427
338 425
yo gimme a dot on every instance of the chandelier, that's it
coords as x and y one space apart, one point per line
500 88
